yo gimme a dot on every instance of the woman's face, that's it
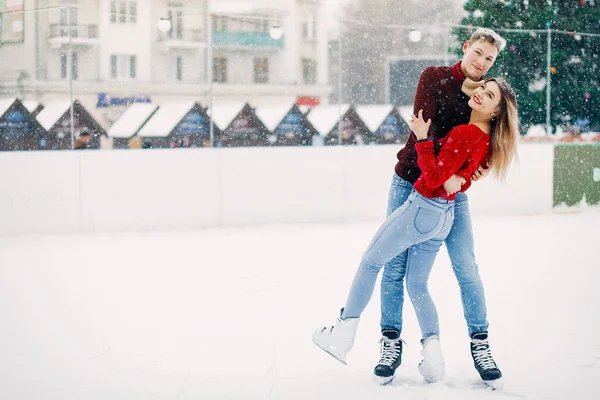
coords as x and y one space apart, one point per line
486 99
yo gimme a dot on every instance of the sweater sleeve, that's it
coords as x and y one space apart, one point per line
425 97
438 169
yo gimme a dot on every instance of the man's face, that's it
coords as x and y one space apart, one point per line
478 58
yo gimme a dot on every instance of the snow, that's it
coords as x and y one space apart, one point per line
225 113
52 112
5 105
31 105
272 115
165 119
132 120
406 112
374 115
228 314
324 117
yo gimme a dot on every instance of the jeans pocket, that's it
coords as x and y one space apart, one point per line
397 181
426 220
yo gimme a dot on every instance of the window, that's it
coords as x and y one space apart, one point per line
123 16
309 28
113 66
123 12
219 23
113 12
175 15
179 68
219 69
123 66
133 12
309 71
132 66
74 65
261 70
63 66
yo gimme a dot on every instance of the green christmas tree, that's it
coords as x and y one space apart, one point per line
575 89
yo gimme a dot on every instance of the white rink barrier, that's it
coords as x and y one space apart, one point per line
130 190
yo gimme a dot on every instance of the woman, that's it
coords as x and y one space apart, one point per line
426 217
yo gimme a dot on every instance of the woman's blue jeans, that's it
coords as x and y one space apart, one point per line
462 256
420 222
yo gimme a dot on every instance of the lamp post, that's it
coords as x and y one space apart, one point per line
548 76
340 82
209 75
70 72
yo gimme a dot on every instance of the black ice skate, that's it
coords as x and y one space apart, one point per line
391 356
484 363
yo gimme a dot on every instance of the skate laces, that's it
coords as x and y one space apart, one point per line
482 354
390 350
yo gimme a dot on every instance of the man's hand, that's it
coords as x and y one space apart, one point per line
480 173
419 126
454 184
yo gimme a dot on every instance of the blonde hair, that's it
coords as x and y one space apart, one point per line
505 130
489 36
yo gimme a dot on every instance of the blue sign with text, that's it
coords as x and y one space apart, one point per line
391 126
104 101
193 123
292 124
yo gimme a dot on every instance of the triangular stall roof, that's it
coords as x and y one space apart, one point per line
287 122
325 117
165 119
19 130
56 117
132 120
384 122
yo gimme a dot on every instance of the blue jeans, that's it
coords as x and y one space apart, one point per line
419 221
461 251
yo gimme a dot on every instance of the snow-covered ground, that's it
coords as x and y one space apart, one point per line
228 314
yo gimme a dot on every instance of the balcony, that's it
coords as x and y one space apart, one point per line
246 40
182 39
84 35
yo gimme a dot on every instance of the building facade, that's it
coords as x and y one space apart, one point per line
108 54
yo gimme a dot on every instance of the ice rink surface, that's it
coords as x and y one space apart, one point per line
228 314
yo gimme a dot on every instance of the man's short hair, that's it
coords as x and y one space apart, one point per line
489 36
84 133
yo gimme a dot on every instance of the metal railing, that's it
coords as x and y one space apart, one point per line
77 31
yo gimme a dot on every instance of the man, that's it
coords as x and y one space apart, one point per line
83 140
442 94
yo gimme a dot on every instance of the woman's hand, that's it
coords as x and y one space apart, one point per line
480 173
419 126
454 184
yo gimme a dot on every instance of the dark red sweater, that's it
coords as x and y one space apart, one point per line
465 147
440 97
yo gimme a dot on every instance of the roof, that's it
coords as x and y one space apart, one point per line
272 115
30 105
52 112
324 118
132 120
225 113
374 115
162 123
406 112
5 104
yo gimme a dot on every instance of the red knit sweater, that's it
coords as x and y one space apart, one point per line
440 97
465 147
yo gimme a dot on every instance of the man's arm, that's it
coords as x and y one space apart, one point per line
425 98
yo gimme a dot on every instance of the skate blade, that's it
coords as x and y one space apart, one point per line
336 356
383 380
496 384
